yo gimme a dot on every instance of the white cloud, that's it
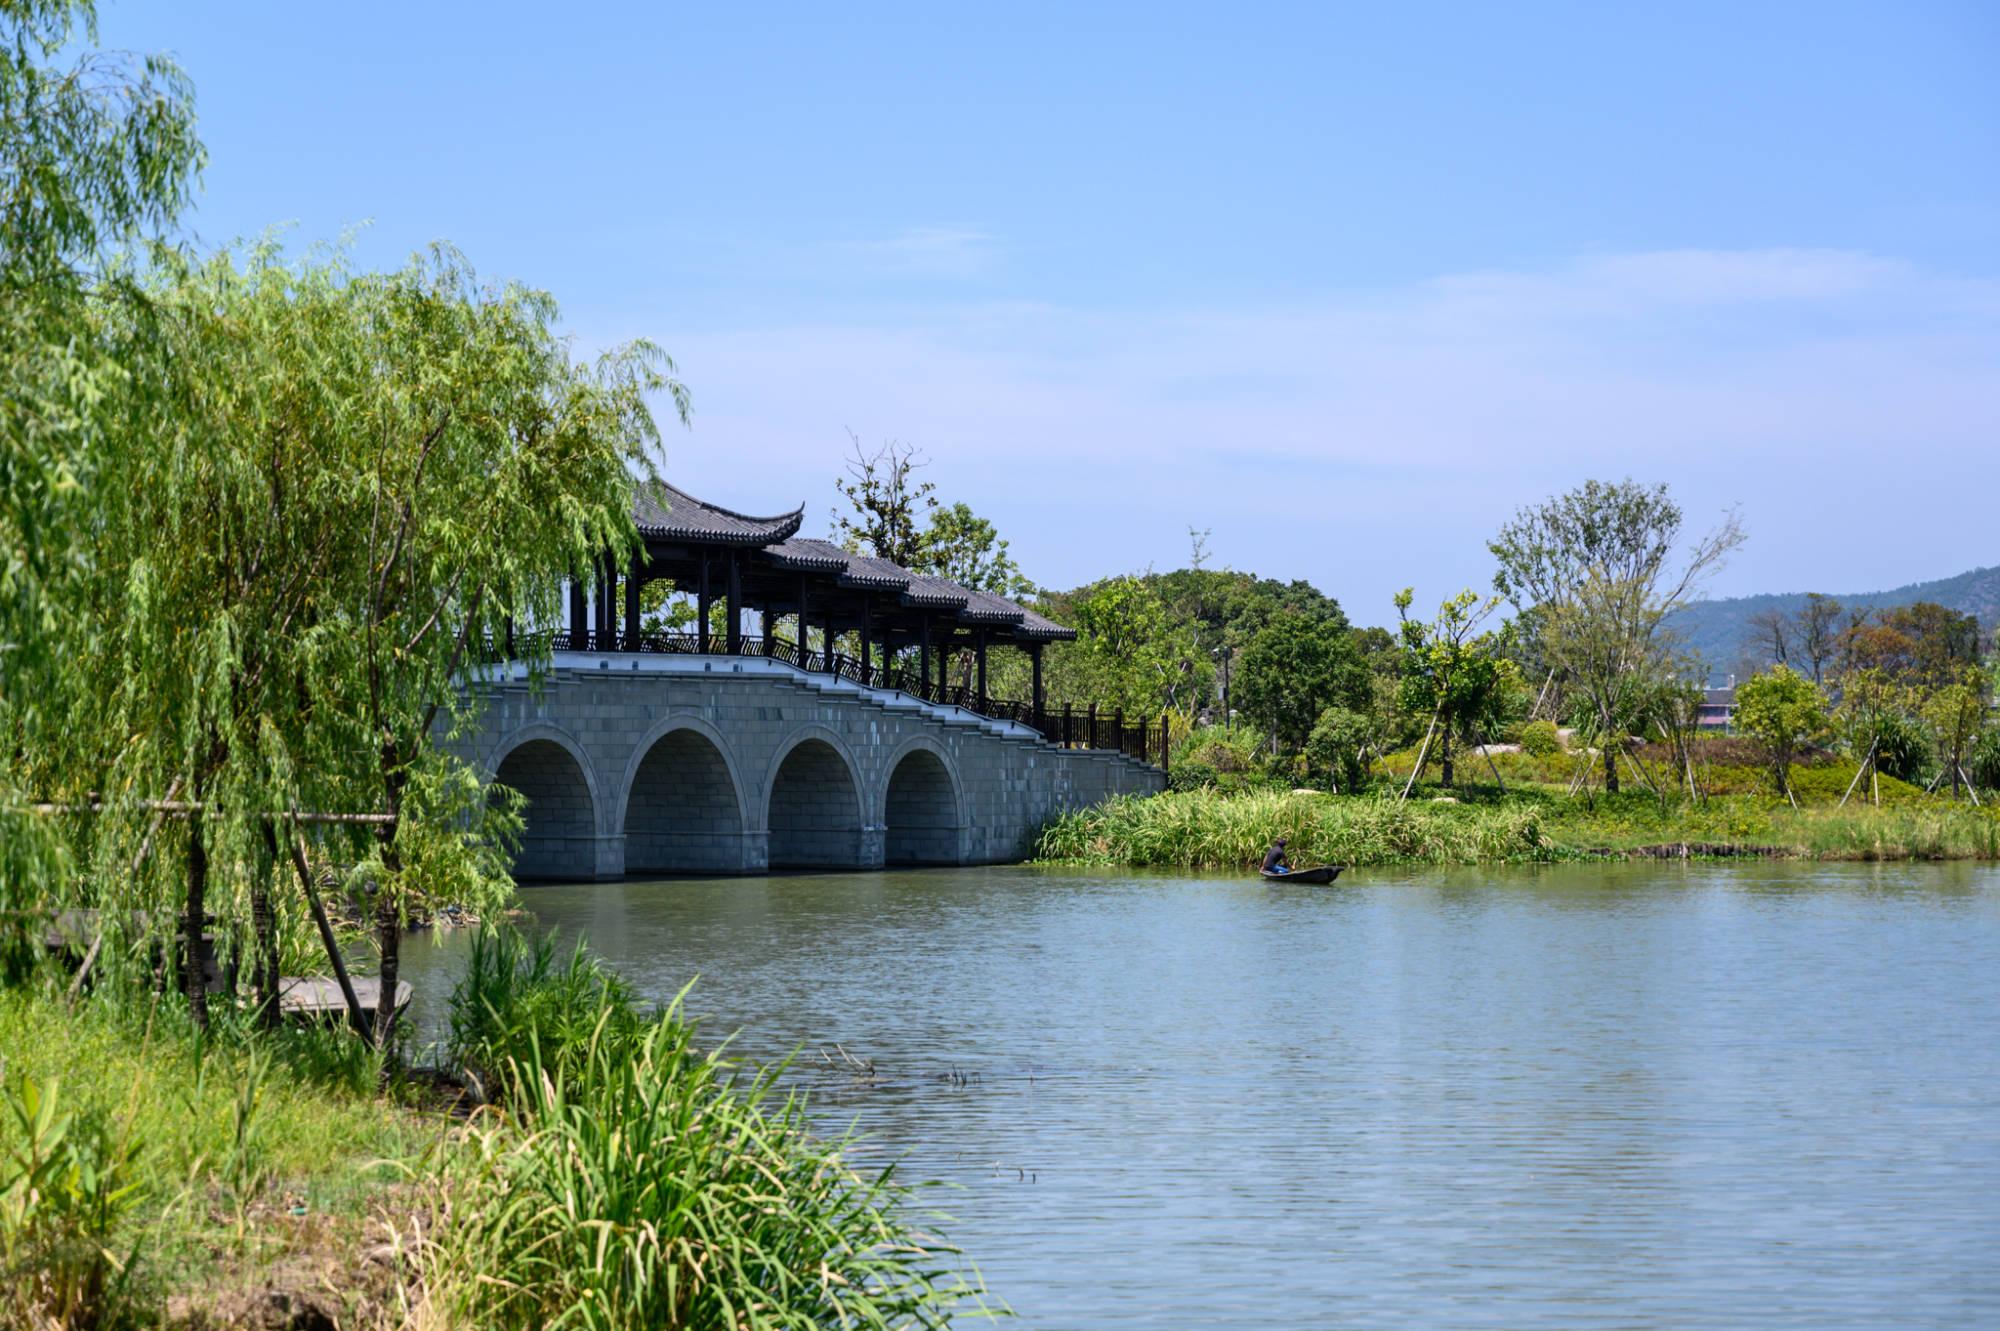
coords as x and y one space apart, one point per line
1850 403
927 252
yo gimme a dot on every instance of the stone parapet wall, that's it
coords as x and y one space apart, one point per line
725 765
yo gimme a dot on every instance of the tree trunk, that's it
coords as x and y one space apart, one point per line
1444 759
388 912
1610 762
264 925
192 979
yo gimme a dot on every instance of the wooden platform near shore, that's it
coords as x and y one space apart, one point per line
318 996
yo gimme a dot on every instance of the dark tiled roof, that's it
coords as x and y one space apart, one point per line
1038 626
875 574
665 512
809 555
935 593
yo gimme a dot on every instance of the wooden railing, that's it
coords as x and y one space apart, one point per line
1146 738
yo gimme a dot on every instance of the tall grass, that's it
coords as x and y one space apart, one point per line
627 1180
1934 832
1212 828
1207 828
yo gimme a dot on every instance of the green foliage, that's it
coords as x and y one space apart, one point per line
66 1185
95 154
631 1181
1784 709
964 547
1595 576
887 503
521 999
1131 651
1337 743
1452 673
1540 740
1211 828
1293 670
185 1124
1955 714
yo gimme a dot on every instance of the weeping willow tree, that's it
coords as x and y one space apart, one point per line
332 489
97 151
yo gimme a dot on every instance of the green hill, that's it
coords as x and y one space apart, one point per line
1716 629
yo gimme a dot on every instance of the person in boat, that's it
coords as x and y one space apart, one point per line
1274 858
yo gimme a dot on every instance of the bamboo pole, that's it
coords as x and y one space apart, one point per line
1487 749
1422 754
1859 770
297 845
172 808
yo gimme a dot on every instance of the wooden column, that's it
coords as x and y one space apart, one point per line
579 612
733 635
982 670
702 602
1035 656
633 581
924 656
867 658
802 620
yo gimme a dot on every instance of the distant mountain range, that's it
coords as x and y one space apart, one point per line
1717 629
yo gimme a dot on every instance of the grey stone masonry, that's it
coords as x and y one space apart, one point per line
639 762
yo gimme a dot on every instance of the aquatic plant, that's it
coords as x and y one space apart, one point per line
625 1179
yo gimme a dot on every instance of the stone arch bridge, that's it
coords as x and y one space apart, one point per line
719 764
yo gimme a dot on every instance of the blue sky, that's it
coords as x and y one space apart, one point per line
1344 285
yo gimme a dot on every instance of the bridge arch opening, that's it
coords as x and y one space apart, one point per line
920 812
559 838
815 819
683 815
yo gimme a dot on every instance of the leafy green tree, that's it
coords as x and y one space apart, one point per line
1956 714
1339 742
1599 565
1451 671
964 547
1785 710
95 153
1131 651
1293 670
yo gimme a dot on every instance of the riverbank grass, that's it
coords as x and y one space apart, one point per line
612 1176
147 1173
1480 825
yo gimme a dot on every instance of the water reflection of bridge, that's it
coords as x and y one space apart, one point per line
736 752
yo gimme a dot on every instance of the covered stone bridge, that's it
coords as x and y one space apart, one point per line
638 763
642 750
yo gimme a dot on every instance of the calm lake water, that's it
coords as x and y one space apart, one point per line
1626 1096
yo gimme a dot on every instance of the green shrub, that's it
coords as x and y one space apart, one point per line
1336 743
65 1186
1540 740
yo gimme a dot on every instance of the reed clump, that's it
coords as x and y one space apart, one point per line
1205 828
623 1178
1213 828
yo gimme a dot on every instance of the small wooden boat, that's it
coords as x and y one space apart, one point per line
1325 873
